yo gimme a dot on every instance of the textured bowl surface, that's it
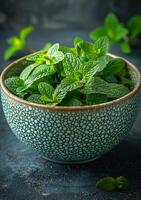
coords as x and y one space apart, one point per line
71 135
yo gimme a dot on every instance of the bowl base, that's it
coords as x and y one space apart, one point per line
71 162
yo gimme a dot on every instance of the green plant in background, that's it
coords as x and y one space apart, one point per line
125 36
110 183
81 75
17 43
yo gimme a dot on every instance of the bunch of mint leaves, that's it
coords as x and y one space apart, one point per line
124 35
81 75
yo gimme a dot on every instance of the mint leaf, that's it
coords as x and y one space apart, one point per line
68 84
25 32
72 102
102 46
98 85
98 66
92 99
115 30
46 46
37 57
9 52
113 67
125 47
122 183
35 98
55 54
107 184
97 33
27 71
134 26
70 63
13 83
15 45
40 72
46 89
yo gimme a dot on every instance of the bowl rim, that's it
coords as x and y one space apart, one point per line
70 108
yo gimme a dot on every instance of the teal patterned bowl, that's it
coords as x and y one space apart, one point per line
70 134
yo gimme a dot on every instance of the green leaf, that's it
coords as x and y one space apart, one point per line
27 71
97 33
113 67
15 45
102 46
13 83
9 52
111 21
46 46
68 84
112 90
134 26
122 183
98 66
70 63
92 99
48 101
125 47
39 72
72 102
25 32
107 184
37 57
46 89
115 30
35 98
55 54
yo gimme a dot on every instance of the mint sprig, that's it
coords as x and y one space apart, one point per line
125 35
59 75
109 183
17 43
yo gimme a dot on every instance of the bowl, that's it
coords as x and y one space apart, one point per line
70 134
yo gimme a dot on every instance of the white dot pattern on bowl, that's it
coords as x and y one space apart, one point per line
70 136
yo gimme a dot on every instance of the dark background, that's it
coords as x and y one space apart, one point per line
24 175
63 14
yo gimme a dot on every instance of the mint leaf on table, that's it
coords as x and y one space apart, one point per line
17 43
134 26
122 183
98 85
107 184
110 184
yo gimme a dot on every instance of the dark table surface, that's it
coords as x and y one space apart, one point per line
24 175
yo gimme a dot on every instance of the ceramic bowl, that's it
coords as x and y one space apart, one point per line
70 134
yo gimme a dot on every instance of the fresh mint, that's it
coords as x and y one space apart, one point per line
124 35
17 43
109 184
59 75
